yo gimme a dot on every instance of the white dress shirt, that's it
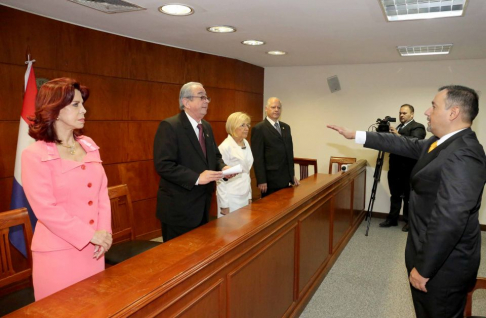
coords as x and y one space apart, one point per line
194 124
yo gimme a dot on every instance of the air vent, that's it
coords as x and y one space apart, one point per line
424 49
400 10
109 6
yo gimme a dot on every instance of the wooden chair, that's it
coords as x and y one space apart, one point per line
480 284
304 164
122 219
340 161
15 271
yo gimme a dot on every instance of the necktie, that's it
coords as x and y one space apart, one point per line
277 126
433 146
399 127
201 139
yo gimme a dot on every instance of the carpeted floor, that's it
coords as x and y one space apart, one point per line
369 279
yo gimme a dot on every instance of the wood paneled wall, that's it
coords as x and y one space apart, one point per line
134 85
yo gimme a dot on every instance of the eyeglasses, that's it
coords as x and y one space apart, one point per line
203 98
245 125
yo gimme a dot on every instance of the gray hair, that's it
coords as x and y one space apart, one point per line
186 91
271 99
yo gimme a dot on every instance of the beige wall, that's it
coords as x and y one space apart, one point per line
368 92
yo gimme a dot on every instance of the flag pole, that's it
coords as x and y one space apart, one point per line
19 200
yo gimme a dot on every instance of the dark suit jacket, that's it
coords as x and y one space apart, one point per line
446 187
179 160
405 164
273 154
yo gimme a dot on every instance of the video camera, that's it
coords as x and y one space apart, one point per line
384 124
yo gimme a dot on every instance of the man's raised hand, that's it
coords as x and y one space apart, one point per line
347 133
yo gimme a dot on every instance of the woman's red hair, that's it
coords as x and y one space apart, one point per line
51 98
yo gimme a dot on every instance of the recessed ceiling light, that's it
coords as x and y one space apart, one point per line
252 42
276 52
400 10
176 9
221 29
424 49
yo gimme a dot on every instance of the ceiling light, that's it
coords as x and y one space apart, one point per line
176 9
276 52
424 49
252 42
221 29
400 10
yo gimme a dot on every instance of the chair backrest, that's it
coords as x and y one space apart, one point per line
480 284
122 218
340 161
12 270
304 164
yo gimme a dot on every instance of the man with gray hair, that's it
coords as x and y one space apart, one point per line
444 241
273 151
188 162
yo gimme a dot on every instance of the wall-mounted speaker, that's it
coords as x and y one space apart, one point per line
333 83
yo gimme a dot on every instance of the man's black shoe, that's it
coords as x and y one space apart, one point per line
388 223
405 228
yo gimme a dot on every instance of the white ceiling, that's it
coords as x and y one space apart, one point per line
313 32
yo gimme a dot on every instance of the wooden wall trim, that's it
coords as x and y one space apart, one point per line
217 286
242 257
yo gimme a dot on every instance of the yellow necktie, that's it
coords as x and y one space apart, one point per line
433 146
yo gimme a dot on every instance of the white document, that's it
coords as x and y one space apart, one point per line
233 170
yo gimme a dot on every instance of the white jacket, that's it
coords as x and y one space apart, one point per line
239 185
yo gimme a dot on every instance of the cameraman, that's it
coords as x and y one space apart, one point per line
401 167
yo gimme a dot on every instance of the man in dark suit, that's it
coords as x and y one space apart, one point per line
273 151
188 162
401 167
443 246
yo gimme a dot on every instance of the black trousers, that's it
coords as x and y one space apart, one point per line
170 231
398 182
440 302
447 290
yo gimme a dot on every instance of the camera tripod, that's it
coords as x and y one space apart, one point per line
376 177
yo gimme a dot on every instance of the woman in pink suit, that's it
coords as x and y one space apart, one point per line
66 186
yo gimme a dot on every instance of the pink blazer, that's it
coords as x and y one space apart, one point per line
69 198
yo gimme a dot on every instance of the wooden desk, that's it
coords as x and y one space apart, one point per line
264 260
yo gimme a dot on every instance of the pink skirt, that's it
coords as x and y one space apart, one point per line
56 270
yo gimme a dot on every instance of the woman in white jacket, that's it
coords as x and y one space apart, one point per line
235 192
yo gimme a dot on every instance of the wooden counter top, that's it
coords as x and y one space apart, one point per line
263 260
